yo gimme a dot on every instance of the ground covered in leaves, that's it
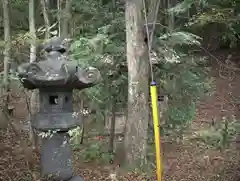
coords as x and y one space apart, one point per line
188 160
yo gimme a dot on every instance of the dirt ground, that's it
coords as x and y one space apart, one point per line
186 161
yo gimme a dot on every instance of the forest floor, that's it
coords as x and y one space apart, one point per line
184 161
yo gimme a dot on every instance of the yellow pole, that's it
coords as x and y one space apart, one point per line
156 123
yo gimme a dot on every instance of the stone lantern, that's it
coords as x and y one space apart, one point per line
56 77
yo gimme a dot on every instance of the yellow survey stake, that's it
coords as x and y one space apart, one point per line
156 123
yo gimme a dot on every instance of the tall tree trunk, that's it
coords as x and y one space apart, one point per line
34 96
59 8
135 142
66 18
7 41
46 18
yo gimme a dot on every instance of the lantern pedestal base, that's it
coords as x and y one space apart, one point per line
56 157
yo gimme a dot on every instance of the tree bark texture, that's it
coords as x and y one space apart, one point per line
135 141
112 128
46 18
34 103
59 8
153 10
32 30
7 41
66 18
171 17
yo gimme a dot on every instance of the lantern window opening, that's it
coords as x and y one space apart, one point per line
53 100
66 99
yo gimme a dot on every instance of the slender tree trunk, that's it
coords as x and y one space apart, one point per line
112 127
7 41
32 30
135 142
164 9
48 3
66 18
34 96
153 10
83 121
114 7
46 18
171 17
59 8
152 16
161 16
71 27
